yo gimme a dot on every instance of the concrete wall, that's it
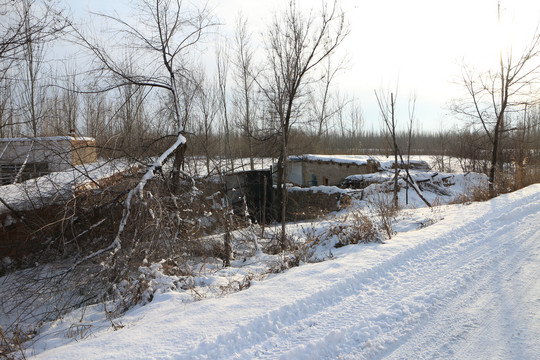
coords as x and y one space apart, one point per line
295 172
56 153
45 155
325 172
305 205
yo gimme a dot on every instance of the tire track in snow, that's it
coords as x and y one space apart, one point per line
332 319
475 312
392 319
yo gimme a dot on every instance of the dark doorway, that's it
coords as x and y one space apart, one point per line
256 187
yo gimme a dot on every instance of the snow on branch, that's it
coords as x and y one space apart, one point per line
140 186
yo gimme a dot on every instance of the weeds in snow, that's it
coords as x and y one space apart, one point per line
359 229
79 331
382 206
11 346
354 228
475 194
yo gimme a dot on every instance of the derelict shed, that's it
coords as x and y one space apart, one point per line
313 170
26 158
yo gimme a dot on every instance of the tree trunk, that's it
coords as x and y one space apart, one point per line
396 172
179 159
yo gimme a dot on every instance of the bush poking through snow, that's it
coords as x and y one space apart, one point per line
475 194
355 228
236 285
79 331
382 206
11 347
359 230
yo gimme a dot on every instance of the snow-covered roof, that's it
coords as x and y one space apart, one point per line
320 189
373 177
338 159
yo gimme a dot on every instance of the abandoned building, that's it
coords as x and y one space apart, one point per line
26 158
313 170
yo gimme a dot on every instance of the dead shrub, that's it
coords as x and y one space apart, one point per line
163 225
476 194
382 206
79 331
360 229
355 228
236 285
11 346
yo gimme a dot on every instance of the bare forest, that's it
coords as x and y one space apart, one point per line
172 112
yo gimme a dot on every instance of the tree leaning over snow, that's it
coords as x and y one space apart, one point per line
296 45
162 35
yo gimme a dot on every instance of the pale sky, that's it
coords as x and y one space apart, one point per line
415 45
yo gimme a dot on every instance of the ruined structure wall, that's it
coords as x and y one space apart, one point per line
334 172
43 156
305 205
55 153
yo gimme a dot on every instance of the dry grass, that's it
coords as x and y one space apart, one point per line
382 206
359 229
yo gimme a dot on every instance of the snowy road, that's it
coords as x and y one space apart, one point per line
466 287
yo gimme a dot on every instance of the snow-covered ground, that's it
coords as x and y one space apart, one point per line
456 281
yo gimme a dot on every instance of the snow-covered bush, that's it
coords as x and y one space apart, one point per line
358 229
354 228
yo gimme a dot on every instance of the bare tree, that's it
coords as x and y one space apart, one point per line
387 108
33 55
165 32
296 45
26 27
95 111
357 124
222 60
324 103
38 20
244 98
7 122
412 107
495 94
208 104
61 108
